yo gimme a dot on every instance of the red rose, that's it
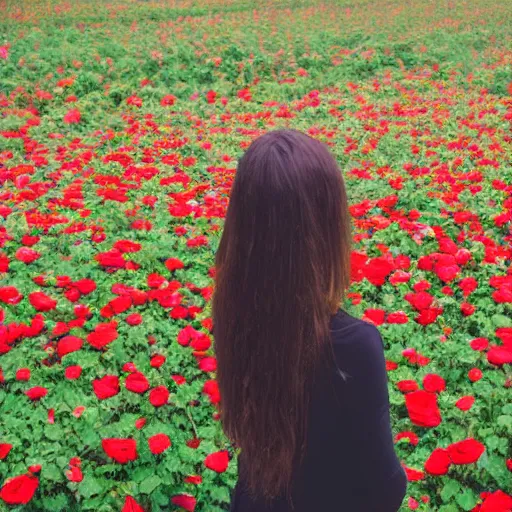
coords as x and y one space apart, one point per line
155 280
137 382
120 304
4 263
19 490
208 364
179 312
425 263
186 335
446 273
406 386
102 335
174 264
475 374
41 302
194 443
72 294
127 246
419 301
130 505
410 436
398 317
462 256
468 285
391 365
157 361
36 393
178 379
184 501
377 270
129 367
217 461
68 344
10 295
428 316
134 319
138 297
211 388
413 475
412 503
466 452
497 502
159 443
106 387
139 423
438 463
168 100
465 403
433 383
505 335
374 316
193 479
27 255
73 372
467 309
422 408
74 474
121 450
499 355
23 374
5 448
72 116
85 286
479 344
159 396
201 342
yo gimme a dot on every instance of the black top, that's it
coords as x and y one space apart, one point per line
350 463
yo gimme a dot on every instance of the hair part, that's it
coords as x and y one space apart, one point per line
282 269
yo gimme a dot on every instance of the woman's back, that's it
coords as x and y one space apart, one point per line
349 464
303 388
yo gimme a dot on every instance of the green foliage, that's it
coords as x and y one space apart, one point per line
414 101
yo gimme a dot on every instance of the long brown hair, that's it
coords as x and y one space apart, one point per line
282 268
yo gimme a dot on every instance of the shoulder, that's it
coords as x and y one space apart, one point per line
357 345
346 329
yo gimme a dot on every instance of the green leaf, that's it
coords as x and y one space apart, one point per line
501 321
505 421
449 508
90 486
51 472
150 484
450 489
467 500
55 503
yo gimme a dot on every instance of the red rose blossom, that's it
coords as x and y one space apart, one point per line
159 396
137 382
121 450
185 501
438 463
106 387
130 505
465 403
19 490
466 452
217 461
159 443
422 408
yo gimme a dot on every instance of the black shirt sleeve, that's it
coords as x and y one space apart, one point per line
376 474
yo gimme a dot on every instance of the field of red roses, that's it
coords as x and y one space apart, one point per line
120 127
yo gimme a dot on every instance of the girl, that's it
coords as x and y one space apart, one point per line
303 384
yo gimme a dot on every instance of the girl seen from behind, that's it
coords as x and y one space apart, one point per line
303 384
